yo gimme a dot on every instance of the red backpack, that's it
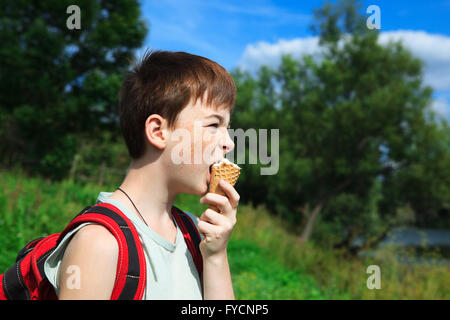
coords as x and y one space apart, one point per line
26 279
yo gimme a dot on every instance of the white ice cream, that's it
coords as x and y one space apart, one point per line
226 161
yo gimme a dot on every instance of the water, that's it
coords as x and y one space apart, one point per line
421 240
418 237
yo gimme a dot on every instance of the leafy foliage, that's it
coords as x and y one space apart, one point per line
357 137
58 82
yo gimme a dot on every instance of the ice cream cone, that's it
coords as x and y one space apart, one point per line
225 170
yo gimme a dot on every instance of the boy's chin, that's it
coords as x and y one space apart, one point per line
204 190
199 190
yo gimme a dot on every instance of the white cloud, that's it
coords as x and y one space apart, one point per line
432 49
264 53
442 107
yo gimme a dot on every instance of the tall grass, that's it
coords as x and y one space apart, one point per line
34 207
338 274
266 261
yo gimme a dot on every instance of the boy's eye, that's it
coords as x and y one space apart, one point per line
216 125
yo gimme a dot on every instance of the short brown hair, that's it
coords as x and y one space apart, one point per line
163 83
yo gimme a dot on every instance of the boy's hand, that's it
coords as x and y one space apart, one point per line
217 227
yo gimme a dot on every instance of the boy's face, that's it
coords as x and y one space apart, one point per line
199 140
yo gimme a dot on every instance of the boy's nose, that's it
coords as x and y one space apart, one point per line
227 143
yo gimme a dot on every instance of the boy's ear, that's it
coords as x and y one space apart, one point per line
156 131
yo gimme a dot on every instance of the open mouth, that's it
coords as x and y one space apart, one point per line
215 162
208 176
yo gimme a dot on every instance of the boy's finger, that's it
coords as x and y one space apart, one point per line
230 192
220 202
213 217
207 228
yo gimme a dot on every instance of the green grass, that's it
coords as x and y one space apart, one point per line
266 261
257 274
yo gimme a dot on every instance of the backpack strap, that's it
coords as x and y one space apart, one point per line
191 236
131 266
25 280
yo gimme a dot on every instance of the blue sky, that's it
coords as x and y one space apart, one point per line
250 33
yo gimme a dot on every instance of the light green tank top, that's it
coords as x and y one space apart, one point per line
171 272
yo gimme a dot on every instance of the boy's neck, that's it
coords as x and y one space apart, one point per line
147 186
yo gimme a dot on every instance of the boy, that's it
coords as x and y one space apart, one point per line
166 94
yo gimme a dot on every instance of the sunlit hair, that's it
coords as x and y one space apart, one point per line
164 82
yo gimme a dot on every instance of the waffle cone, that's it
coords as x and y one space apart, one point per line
225 171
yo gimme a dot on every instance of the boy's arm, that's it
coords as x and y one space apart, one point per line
217 283
217 228
88 267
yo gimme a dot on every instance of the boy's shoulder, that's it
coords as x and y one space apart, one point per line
96 239
92 248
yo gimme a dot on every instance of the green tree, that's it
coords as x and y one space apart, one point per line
57 83
355 132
